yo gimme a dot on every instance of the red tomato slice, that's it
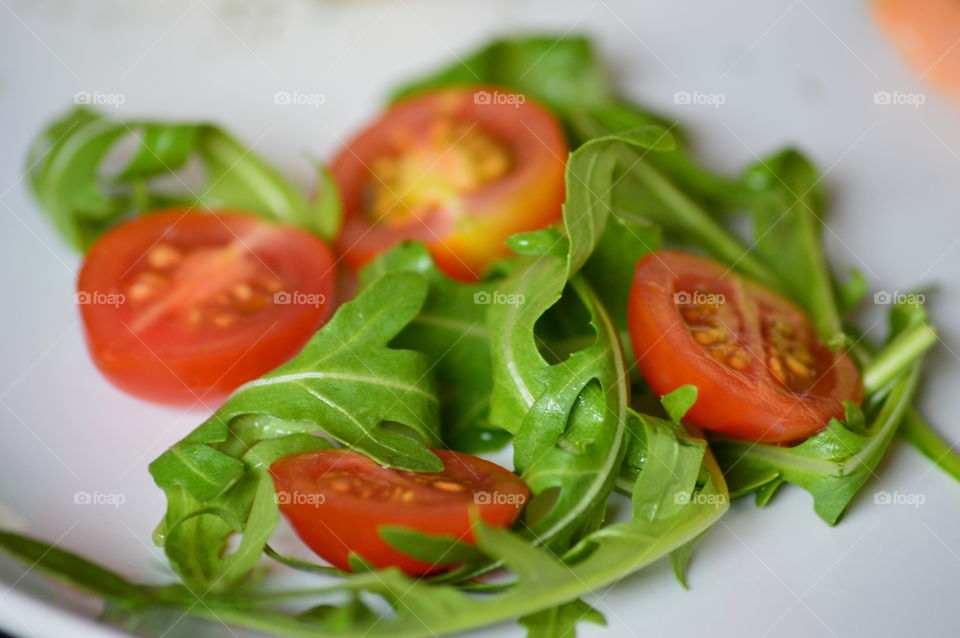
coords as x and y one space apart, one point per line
180 307
460 169
762 373
337 499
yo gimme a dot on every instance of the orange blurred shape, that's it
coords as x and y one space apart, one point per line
927 32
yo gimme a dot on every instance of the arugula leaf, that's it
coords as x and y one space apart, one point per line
923 437
569 418
561 621
354 614
437 549
851 291
912 335
907 346
571 437
590 184
70 569
516 357
200 469
67 172
832 465
451 328
326 214
691 450
63 171
302 565
611 266
678 402
646 191
562 72
709 190
194 533
237 178
163 147
680 559
788 210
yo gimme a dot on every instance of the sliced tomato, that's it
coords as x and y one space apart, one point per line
181 307
761 372
460 169
336 500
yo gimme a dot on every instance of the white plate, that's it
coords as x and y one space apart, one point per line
801 72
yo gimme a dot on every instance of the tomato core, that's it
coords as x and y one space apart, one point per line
435 171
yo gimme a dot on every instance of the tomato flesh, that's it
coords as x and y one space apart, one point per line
184 307
761 372
336 500
459 169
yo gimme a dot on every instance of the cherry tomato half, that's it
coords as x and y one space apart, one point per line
337 499
762 373
460 169
182 306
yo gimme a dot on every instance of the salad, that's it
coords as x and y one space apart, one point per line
511 254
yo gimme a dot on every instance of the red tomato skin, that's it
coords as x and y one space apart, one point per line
728 401
205 372
340 525
528 198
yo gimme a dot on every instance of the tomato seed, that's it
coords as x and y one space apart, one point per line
163 256
242 291
738 361
224 321
139 291
273 285
777 369
707 337
145 286
448 486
